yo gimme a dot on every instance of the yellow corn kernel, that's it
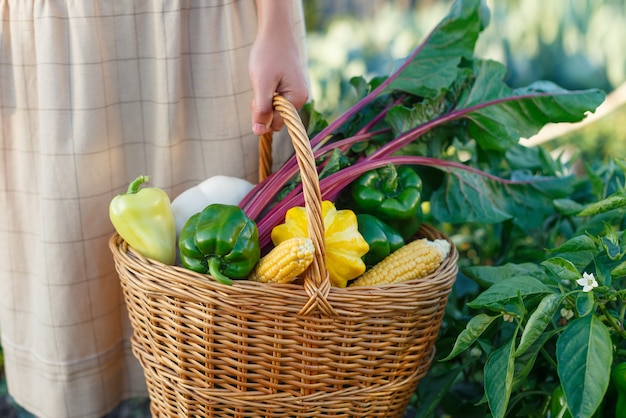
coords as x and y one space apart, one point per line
284 262
414 260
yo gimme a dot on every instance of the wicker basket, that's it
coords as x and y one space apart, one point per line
263 350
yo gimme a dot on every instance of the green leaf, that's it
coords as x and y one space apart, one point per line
402 118
611 245
489 275
525 362
538 321
312 119
520 112
577 243
584 356
567 206
561 268
508 291
435 65
619 270
468 197
530 201
335 162
579 251
499 379
433 388
474 329
521 157
585 303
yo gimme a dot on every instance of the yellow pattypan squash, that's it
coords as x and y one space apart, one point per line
344 244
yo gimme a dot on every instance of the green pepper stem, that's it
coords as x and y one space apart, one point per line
134 186
214 270
617 327
389 177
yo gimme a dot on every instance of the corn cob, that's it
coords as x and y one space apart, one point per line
284 262
412 261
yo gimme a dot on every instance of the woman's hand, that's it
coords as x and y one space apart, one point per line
275 65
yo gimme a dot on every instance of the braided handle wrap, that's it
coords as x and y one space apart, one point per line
265 155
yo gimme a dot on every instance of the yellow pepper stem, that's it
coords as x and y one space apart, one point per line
134 186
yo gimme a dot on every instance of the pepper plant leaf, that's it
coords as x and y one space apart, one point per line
576 244
507 291
499 371
561 268
584 358
525 362
489 275
538 321
473 330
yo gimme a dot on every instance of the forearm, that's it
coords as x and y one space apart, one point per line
274 16
275 63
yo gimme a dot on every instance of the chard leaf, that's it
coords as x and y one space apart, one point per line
402 118
468 197
537 159
584 358
529 200
500 115
435 63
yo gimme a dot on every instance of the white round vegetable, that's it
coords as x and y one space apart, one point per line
217 189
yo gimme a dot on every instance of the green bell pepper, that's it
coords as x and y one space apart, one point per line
393 194
381 238
221 241
618 376
144 219
559 409
558 404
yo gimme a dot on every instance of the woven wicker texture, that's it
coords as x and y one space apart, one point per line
281 350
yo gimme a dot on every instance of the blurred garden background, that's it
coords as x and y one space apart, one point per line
577 44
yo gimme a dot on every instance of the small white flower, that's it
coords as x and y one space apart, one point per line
588 282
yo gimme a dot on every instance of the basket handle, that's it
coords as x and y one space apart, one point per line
316 281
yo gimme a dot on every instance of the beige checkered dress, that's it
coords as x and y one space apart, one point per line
92 94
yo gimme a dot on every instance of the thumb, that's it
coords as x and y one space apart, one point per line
262 113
